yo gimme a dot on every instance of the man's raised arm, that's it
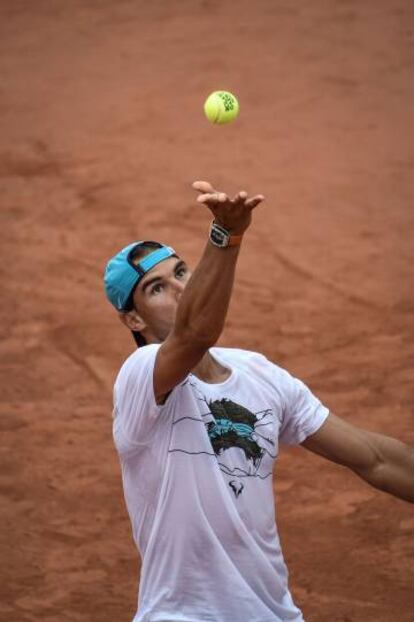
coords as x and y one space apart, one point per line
203 306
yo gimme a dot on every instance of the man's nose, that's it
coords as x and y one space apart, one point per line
178 287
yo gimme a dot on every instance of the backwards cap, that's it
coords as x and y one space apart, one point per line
122 275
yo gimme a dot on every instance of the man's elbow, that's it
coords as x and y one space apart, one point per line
197 336
390 478
374 473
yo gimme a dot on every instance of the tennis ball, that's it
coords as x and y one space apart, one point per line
221 107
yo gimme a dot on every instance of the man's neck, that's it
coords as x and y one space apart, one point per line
210 370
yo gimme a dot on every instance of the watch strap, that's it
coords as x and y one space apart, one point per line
235 240
221 237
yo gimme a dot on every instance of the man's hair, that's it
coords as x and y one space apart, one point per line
141 251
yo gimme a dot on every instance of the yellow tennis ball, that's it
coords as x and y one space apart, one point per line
221 107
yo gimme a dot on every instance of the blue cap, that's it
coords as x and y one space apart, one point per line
121 274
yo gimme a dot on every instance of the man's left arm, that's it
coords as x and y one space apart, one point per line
383 462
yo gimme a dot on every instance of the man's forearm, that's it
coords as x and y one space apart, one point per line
204 303
394 471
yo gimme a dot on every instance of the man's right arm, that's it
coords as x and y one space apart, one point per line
203 305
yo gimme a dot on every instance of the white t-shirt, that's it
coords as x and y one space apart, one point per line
197 477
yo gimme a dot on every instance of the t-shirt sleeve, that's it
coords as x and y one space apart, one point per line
303 413
135 408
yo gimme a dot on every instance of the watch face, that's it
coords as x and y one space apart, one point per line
218 237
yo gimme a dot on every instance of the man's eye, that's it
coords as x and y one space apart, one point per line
181 271
156 289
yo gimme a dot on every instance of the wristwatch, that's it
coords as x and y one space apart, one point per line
219 236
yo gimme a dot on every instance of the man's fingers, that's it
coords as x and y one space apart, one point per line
202 198
254 201
203 186
240 197
212 198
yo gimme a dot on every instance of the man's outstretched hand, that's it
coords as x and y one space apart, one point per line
235 214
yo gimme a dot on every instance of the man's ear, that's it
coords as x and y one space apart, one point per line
132 319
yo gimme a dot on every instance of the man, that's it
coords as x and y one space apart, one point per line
197 429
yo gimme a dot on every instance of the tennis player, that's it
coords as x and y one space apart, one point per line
198 428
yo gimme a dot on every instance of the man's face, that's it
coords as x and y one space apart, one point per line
157 294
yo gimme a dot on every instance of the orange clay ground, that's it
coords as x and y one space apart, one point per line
102 133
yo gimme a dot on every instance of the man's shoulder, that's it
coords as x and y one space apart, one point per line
138 361
242 358
252 362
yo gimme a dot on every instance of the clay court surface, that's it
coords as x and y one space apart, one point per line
102 134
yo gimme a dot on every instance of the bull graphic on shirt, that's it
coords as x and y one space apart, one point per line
237 487
233 427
